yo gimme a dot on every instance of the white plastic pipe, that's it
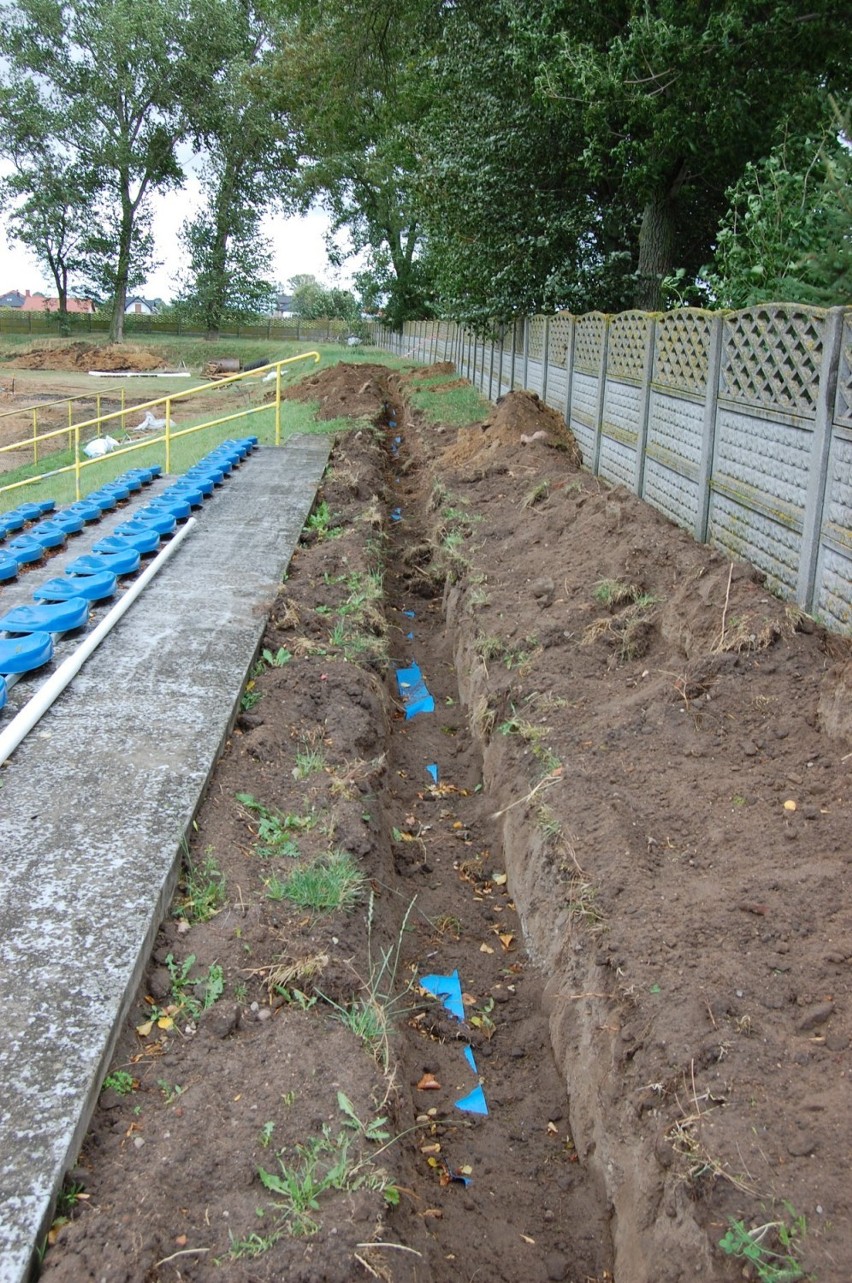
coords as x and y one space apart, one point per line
23 722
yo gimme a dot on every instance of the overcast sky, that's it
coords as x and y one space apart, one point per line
298 247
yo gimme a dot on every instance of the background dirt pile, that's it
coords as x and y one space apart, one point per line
91 356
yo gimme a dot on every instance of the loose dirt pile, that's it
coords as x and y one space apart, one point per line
90 356
636 851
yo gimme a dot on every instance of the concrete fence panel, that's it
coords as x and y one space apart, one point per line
737 426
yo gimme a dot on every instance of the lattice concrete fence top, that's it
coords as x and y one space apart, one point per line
737 425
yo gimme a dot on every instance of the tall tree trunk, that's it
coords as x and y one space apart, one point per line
122 269
656 252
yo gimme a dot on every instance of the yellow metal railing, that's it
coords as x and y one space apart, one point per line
54 405
166 437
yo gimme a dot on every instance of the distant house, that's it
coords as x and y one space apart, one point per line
137 306
14 298
41 303
283 305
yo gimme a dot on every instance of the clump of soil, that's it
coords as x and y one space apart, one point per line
91 356
344 390
636 852
520 418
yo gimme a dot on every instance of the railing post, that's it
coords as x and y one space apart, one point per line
98 411
78 490
35 436
278 404
168 434
70 424
708 430
644 409
818 470
123 411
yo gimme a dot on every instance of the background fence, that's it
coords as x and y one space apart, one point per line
737 426
79 324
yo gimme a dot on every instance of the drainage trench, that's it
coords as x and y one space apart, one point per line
505 1187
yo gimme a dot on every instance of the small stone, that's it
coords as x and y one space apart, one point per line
549 1214
543 590
837 1041
802 1145
138 1141
264 1014
557 1266
814 1017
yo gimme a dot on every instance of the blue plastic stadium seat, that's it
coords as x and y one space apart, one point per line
194 495
175 504
29 511
143 475
198 481
2 691
25 549
88 509
143 541
163 522
23 654
129 480
70 522
207 471
58 617
8 566
118 488
120 563
92 587
48 534
105 500
13 520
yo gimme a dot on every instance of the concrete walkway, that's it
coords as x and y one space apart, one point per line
94 806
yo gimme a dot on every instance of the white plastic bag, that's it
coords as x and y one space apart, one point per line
100 446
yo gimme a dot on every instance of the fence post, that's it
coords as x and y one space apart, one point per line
596 459
526 349
569 369
545 359
514 345
490 367
644 409
806 589
500 365
708 430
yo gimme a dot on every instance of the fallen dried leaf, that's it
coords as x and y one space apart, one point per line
434 1148
506 939
485 948
527 1239
144 1029
500 879
428 1083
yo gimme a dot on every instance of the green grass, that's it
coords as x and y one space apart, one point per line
332 881
456 406
776 1264
274 829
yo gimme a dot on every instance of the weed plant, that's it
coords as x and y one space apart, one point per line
202 888
768 1265
274 830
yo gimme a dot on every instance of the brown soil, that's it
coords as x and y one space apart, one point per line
90 356
657 754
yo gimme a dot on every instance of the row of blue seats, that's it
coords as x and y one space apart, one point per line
63 603
49 529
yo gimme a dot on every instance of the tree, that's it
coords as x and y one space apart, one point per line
312 301
343 80
674 99
248 156
50 212
788 230
512 223
110 85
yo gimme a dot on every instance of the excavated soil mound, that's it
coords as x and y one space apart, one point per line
520 418
91 356
343 391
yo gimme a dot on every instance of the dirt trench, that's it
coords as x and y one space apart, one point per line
635 854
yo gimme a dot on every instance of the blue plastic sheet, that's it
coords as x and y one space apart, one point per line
415 695
432 769
468 1055
448 989
396 514
474 1103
